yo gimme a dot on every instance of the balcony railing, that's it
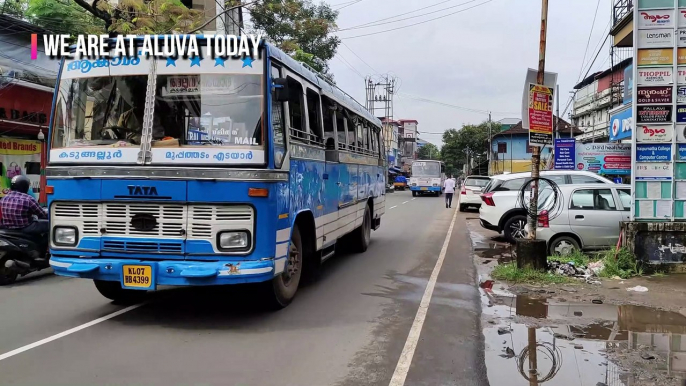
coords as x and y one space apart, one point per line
620 9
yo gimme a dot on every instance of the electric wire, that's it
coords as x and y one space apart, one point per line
548 198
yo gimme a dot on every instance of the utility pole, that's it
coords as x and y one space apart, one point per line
557 112
536 151
490 147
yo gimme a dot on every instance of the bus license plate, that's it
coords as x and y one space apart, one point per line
425 188
137 276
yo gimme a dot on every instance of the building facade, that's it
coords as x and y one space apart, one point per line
408 131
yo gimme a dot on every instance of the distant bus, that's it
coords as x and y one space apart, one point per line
427 177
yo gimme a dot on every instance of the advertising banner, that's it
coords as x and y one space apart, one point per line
549 80
654 114
681 15
653 152
18 157
565 153
604 158
681 38
681 152
654 94
681 56
657 18
540 114
681 114
654 133
657 56
681 94
656 38
655 76
681 75
655 171
621 125
680 133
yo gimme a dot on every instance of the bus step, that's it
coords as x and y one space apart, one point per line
328 252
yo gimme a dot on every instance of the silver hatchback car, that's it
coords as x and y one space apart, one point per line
587 217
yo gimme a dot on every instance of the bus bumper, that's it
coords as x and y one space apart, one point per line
425 188
171 272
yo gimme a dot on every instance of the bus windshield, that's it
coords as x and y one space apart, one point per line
426 169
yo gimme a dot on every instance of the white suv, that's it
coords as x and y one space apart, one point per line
500 212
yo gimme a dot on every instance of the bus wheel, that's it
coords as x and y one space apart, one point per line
414 193
113 291
284 286
363 234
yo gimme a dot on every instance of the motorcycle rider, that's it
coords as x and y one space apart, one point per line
18 209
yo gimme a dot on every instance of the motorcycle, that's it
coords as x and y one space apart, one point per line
21 254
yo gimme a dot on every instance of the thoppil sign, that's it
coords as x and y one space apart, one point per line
656 38
654 76
654 94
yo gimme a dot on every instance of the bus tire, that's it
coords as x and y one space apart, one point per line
283 288
414 193
362 235
113 291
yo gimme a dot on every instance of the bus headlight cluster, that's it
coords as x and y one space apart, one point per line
234 240
65 236
414 184
435 184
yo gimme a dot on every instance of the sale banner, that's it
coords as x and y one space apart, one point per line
540 115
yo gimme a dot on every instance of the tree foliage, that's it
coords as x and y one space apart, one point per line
299 28
428 151
470 139
63 18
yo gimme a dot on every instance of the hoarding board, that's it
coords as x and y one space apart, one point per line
656 18
621 124
654 114
565 154
656 76
604 158
653 153
655 57
654 133
656 38
654 95
540 114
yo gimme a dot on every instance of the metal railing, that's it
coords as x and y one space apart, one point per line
620 9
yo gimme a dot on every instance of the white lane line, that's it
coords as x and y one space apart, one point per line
68 332
413 199
405 360
394 206
405 202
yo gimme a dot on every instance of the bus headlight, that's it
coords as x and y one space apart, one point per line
435 184
65 236
234 240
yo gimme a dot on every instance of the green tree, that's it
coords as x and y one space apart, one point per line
428 151
63 17
470 140
300 28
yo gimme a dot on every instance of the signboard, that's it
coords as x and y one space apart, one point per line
681 152
654 171
654 94
653 57
655 76
680 133
681 75
621 125
681 113
681 38
658 18
681 15
17 157
604 158
654 133
549 80
681 94
681 56
565 152
540 114
654 114
653 153
656 38
628 84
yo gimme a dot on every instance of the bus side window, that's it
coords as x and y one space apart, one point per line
340 129
296 109
375 142
314 113
277 124
366 146
359 136
350 130
328 109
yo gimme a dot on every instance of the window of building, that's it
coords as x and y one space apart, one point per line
502 147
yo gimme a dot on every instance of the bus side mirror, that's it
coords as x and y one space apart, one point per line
281 90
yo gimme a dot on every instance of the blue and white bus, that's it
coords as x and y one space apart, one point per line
427 177
202 171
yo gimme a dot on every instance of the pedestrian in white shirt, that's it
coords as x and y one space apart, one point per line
449 190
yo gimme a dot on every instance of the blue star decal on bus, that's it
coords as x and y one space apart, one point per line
219 62
171 62
195 61
247 61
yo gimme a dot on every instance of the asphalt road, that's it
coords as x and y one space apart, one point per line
349 328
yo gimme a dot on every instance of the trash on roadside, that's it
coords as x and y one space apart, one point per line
647 356
638 288
588 274
596 266
503 330
615 277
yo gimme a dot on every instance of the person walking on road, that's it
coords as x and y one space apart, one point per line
449 190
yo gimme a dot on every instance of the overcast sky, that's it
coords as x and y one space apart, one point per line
475 59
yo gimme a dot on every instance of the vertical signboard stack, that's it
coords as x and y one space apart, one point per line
659 113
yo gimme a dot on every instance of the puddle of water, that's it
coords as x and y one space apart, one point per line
494 251
567 343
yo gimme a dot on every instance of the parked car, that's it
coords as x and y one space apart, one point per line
470 191
500 212
588 217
